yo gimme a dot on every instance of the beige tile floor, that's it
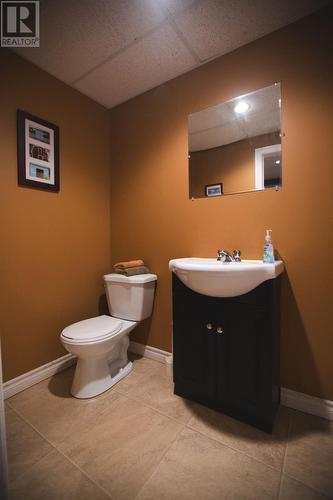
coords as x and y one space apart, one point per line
140 441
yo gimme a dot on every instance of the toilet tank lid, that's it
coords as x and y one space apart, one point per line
138 278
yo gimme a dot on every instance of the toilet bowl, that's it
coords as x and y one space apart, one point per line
101 343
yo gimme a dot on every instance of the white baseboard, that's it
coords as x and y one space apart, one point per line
31 378
150 352
292 399
26 380
307 404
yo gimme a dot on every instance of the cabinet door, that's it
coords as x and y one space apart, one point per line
194 347
244 374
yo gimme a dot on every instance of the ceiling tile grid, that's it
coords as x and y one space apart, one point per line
78 36
113 50
216 27
150 62
221 124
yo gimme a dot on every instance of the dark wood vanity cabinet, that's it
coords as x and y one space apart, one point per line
226 351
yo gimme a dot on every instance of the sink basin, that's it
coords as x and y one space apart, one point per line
224 279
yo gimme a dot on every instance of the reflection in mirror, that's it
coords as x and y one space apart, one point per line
237 144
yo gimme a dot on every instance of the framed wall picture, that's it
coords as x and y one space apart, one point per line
214 189
37 152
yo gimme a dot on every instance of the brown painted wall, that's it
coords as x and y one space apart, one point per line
233 165
153 218
54 247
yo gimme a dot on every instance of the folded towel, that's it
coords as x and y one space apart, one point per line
130 263
132 271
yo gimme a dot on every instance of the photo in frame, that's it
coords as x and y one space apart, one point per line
37 152
214 189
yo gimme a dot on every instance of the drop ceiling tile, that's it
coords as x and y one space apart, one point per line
260 101
79 36
215 27
150 62
176 6
262 124
264 101
219 136
219 125
76 36
210 117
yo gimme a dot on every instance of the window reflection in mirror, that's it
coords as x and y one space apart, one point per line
237 144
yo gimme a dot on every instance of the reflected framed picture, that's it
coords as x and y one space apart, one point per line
37 152
214 189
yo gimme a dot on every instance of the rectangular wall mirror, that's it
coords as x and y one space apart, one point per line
235 146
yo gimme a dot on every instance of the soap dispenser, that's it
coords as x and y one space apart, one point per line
268 256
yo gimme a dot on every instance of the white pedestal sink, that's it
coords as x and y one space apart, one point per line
223 279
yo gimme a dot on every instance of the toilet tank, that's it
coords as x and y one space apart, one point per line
130 297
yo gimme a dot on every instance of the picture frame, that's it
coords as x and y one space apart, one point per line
214 189
37 152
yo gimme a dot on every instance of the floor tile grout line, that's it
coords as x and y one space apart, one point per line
138 400
276 469
59 451
187 425
182 424
126 396
12 482
291 416
283 473
315 490
22 474
159 462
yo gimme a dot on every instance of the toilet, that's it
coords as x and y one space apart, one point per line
101 343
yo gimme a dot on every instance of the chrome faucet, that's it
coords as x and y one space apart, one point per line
236 254
225 256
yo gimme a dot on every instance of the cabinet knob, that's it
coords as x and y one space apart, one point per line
209 326
219 329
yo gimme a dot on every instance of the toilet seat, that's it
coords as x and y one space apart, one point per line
92 330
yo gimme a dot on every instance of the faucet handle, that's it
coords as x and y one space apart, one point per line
221 255
236 254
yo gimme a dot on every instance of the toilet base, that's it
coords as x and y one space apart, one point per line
92 377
